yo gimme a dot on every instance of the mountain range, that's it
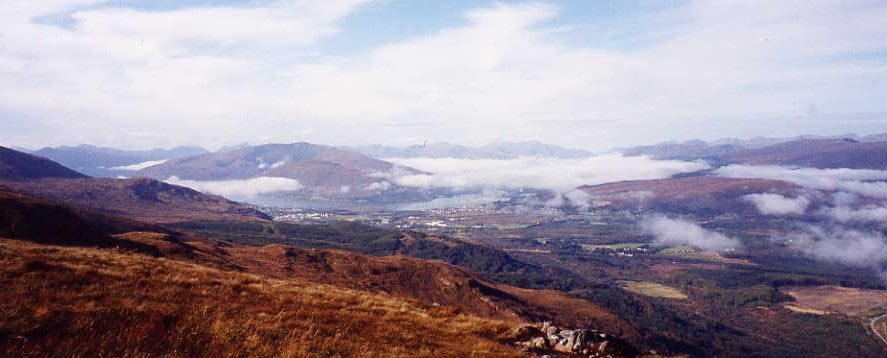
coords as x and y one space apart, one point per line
111 162
140 199
849 151
503 150
817 153
314 170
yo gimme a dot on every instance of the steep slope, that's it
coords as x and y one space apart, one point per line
15 165
318 168
492 263
111 162
818 153
140 199
431 282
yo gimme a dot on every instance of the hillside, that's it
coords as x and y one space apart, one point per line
317 168
817 153
88 302
23 216
139 199
112 162
431 282
89 292
15 165
687 193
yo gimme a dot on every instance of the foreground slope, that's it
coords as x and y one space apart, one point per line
431 282
107 290
78 301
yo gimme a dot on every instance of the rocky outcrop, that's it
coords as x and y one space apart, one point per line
552 340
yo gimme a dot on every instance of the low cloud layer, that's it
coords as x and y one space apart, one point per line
559 175
845 246
844 214
240 189
673 231
465 200
572 199
775 204
140 166
863 182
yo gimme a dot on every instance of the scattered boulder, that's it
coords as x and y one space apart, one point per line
552 340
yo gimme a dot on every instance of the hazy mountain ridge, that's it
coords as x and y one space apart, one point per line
313 170
848 151
501 150
817 153
112 162
141 198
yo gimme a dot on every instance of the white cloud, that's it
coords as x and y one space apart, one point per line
240 189
140 166
849 247
775 204
560 175
673 231
844 214
137 77
379 186
575 198
864 182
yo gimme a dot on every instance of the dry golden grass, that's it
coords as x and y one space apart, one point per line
89 302
826 299
653 289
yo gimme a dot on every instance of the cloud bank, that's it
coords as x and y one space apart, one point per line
140 166
559 175
869 213
673 231
846 246
240 189
864 182
775 204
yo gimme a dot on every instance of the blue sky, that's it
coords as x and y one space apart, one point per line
591 74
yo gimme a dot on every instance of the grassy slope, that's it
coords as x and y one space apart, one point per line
78 301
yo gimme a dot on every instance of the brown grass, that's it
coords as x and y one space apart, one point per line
428 282
654 289
89 302
834 299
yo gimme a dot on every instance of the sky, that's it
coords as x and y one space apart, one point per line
586 74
